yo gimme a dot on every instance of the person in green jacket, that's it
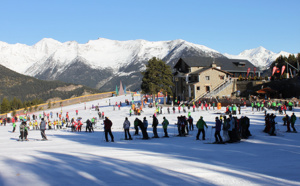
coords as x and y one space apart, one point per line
200 125
14 127
23 131
252 105
258 106
234 109
165 124
293 120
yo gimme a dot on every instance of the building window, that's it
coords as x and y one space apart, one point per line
222 77
198 87
206 77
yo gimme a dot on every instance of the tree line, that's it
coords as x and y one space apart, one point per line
291 59
15 104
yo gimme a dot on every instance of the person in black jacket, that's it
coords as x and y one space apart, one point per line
89 126
107 129
154 125
143 128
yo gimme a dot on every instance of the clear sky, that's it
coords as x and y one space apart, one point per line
228 26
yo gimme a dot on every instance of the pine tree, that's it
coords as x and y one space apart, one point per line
157 77
14 104
5 105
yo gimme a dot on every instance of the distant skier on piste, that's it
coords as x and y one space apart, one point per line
43 129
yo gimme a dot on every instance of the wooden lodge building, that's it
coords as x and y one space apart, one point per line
198 77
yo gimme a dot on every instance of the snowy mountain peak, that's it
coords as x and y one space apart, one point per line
260 56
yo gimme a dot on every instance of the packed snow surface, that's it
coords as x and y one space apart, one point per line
83 158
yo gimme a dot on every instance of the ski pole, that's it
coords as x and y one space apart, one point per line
211 134
103 134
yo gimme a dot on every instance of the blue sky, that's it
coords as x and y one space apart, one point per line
228 26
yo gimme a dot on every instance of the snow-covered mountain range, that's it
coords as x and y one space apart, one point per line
102 63
259 57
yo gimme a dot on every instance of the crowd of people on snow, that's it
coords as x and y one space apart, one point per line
234 128
288 121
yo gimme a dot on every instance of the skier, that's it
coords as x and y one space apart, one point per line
287 118
145 124
231 129
43 129
143 129
154 125
190 121
293 120
272 124
107 129
225 129
14 126
200 125
23 131
165 124
136 123
89 126
217 131
126 127
234 109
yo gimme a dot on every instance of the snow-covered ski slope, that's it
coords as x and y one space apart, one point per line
86 159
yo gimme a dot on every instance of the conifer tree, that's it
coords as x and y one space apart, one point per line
157 77
5 105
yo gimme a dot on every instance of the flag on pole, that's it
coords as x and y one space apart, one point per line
274 69
282 69
125 89
248 71
117 92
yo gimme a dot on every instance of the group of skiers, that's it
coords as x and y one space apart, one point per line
288 121
233 128
278 106
24 130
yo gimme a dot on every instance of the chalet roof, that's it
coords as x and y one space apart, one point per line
207 68
230 65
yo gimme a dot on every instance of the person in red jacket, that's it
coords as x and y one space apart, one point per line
107 129
79 125
284 109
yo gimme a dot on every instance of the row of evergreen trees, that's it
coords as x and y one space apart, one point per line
15 104
281 60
